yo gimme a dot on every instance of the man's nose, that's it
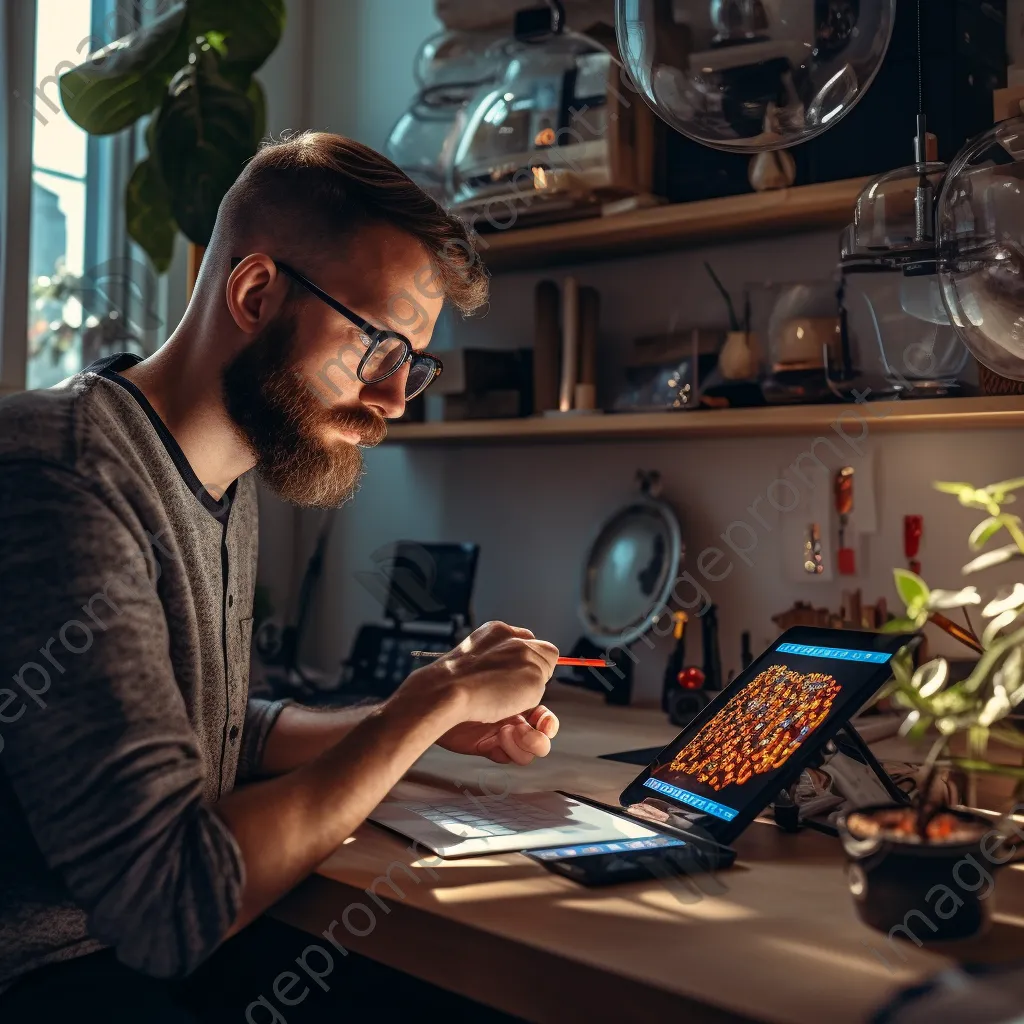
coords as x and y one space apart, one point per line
387 396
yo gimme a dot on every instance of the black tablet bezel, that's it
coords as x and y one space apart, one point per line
725 832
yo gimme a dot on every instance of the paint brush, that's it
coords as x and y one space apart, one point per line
570 662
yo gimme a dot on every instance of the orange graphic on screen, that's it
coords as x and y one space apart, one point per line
758 730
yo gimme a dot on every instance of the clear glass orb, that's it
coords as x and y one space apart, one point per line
753 75
981 247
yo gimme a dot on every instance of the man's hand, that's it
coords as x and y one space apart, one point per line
494 681
515 740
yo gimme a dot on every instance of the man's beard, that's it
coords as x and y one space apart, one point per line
285 423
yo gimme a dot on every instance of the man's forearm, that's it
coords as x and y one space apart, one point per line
286 826
301 735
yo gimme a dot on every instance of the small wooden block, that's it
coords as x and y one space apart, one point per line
1008 102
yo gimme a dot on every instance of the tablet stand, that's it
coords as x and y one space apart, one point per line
850 742
858 744
785 811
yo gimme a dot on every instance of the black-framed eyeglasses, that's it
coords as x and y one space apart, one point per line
386 351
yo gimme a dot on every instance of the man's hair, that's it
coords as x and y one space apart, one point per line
311 191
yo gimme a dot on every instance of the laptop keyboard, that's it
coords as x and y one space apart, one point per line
490 816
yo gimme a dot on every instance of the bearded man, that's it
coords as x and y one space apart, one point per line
128 851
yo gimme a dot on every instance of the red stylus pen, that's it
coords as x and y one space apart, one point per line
572 662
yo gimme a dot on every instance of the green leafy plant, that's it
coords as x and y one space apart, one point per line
976 707
192 71
98 329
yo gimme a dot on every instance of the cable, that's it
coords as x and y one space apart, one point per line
920 71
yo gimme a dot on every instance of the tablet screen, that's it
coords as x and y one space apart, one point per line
755 737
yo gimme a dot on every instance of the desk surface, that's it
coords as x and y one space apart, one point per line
778 941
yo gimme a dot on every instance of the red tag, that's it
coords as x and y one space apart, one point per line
847 562
913 528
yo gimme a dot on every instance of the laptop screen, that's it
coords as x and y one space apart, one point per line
756 736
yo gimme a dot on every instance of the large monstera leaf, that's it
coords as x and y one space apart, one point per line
127 79
250 31
149 217
195 63
258 100
204 133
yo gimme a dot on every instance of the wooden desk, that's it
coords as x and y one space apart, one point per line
780 942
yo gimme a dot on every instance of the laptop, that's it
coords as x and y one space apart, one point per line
749 743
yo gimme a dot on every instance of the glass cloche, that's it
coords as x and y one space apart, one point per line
981 247
540 130
753 75
893 221
449 69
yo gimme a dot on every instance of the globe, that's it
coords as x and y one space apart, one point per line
753 75
981 247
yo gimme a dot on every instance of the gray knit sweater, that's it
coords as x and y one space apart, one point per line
124 711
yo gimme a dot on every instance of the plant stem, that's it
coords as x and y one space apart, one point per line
734 324
1015 532
926 807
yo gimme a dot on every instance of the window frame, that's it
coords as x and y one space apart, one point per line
17 57
109 163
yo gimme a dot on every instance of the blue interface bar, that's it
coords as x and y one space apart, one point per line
622 846
702 803
839 653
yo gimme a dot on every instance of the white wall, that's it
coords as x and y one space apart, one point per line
362 63
283 541
535 508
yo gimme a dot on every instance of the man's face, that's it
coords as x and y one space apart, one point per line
293 391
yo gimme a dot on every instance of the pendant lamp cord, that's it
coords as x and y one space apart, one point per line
920 72
924 195
921 135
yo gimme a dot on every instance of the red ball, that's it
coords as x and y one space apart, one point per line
691 678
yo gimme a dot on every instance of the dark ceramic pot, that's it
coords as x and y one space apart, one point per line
925 892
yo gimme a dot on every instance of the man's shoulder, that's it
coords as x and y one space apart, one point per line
61 425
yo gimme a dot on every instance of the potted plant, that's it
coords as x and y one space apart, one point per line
102 311
925 871
192 70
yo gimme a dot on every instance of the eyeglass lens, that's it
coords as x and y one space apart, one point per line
421 373
388 356
384 359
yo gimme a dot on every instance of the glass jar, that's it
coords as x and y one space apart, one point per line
802 327
898 322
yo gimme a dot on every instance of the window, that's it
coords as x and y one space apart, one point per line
91 291
57 252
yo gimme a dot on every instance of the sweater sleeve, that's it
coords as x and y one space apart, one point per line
260 716
96 742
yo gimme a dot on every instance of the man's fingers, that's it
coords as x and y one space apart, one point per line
532 740
513 743
543 721
491 747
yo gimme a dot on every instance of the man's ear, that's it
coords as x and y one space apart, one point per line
254 292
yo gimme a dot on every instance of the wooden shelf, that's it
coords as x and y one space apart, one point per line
804 208
777 421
